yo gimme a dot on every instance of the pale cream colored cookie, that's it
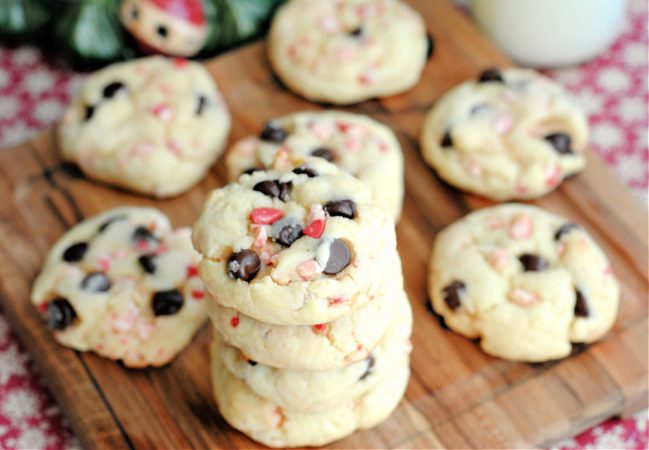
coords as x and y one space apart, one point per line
274 426
124 285
299 246
511 134
151 125
357 144
525 281
346 51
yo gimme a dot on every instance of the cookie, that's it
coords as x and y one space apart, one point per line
319 391
274 426
511 134
152 125
301 244
347 51
357 144
324 346
527 282
124 285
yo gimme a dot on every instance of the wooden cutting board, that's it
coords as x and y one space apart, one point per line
457 397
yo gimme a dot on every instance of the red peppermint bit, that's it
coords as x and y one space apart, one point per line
198 295
43 308
234 322
104 264
142 244
343 126
161 249
554 176
265 216
315 228
99 346
359 347
180 63
278 417
320 328
335 301
192 271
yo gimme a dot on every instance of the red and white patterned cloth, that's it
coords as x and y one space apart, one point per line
612 89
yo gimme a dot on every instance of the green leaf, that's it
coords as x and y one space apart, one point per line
235 21
20 19
90 31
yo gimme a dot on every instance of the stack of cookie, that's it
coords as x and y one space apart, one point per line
306 296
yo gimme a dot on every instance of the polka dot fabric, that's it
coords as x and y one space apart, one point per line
612 89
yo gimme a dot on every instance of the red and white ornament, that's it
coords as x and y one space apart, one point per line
170 27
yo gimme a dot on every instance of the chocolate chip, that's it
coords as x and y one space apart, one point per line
289 234
492 74
429 307
147 262
533 263
452 294
252 363
369 369
144 234
563 229
447 141
89 112
104 226
581 306
202 104
96 282
341 208
113 88
162 31
75 252
304 170
339 257
60 314
356 32
480 107
134 13
430 46
251 170
273 189
273 132
323 153
561 142
243 265
167 303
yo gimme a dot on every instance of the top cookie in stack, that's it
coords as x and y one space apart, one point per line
304 245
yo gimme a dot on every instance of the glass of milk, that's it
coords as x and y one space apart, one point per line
550 33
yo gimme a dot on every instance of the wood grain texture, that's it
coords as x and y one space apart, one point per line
457 397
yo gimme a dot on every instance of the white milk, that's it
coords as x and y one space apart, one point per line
550 33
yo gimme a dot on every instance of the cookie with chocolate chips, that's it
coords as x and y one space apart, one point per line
124 285
350 51
357 144
508 134
152 125
295 247
524 281
309 391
